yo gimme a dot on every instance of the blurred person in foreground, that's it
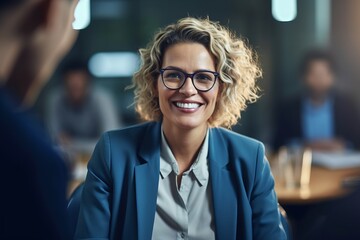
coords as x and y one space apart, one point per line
79 112
321 118
34 36
181 175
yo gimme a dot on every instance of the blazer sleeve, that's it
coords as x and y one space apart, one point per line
266 216
94 216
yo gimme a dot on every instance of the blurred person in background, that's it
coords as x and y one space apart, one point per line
79 112
321 118
34 36
181 175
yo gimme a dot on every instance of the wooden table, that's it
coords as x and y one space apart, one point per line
325 184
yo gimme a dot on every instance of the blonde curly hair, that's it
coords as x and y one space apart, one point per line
234 61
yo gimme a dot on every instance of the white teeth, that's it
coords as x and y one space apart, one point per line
187 105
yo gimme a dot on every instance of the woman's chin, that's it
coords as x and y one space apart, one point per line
188 124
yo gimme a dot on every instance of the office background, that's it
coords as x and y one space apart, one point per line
127 25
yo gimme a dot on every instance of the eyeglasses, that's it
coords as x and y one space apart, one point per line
202 80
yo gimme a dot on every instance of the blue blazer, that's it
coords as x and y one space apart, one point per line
120 191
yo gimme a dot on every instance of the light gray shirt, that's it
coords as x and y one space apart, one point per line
186 211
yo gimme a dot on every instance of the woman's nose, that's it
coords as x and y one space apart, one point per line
188 88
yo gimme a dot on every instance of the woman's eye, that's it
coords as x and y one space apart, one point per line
173 75
203 77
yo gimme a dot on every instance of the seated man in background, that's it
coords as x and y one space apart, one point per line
79 112
34 36
320 118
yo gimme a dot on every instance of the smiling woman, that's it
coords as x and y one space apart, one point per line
235 63
182 176
187 107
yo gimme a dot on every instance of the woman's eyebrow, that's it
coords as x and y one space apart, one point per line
174 68
180 69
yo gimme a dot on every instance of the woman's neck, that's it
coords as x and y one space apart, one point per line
184 143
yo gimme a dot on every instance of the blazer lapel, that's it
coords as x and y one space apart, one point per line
224 196
146 180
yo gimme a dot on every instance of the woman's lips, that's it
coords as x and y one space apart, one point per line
187 106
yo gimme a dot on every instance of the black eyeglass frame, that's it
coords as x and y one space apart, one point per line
191 75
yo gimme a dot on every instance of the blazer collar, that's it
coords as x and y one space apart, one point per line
223 193
147 179
218 151
149 147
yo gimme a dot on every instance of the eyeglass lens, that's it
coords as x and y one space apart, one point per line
202 80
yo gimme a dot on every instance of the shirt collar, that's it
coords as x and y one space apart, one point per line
199 168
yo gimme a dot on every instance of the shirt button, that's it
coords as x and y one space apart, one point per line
182 235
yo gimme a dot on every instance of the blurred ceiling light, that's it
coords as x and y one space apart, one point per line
82 15
114 64
284 10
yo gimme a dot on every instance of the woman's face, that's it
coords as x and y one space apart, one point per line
187 108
